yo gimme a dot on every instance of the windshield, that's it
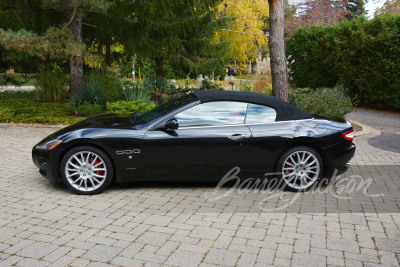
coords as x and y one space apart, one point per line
165 108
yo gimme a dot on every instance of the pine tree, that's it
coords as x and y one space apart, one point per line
166 28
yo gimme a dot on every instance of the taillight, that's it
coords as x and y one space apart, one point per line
348 135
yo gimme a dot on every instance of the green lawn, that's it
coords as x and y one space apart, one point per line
20 107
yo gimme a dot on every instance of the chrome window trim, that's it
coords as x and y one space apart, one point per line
231 125
210 126
273 122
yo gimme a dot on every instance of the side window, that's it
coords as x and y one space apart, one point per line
213 114
260 114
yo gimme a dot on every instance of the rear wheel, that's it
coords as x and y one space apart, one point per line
86 170
300 168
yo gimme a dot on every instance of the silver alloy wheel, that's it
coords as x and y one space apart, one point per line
300 170
85 171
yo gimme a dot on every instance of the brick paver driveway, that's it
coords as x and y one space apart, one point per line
143 224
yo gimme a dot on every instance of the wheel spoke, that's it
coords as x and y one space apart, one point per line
99 169
310 164
92 182
77 180
99 176
309 156
73 174
88 157
94 160
98 164
80 184
78 160
97 181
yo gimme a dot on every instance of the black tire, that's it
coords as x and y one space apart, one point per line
293 179
97 165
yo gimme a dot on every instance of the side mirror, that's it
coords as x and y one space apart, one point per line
172 124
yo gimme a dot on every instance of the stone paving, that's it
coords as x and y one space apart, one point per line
43 224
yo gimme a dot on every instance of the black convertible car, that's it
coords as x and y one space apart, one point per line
199 136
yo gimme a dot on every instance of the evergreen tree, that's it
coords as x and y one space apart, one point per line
61 37
355 8
166 28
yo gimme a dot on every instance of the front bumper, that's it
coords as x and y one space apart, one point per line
48 162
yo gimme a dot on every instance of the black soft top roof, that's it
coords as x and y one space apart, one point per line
285 111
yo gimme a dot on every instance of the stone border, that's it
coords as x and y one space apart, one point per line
27 125
366 129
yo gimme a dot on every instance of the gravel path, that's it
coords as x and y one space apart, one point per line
388 123
381 120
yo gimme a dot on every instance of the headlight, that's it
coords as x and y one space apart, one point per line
49 144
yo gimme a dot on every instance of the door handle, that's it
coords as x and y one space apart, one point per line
237 137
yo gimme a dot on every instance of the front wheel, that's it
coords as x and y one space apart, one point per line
300 167
86 170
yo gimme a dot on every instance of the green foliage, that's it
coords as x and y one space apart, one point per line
17 95
90 92
51 87
99 87
152 83
6 79
326 102
308 57
129 107
109 83
207 84
247 86
363 55
134 92
27 111
88 109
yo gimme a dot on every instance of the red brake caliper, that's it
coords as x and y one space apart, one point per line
287 166
94 164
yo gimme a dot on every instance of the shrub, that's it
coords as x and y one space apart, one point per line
89 92
247 86
262 84
88 109
152 83
129 107
27 111
109 84
134 92
326 102
361 54
17 94
51 86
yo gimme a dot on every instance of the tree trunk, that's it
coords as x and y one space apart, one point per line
108 54
133 67
47 62
160 67
280 80
76 61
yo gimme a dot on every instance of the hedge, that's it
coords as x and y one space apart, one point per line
361 54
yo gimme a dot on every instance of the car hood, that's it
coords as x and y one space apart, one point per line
106 121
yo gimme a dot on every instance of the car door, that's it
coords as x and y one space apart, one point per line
211 139
269 137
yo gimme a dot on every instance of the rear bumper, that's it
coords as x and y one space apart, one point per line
47 162
337 158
